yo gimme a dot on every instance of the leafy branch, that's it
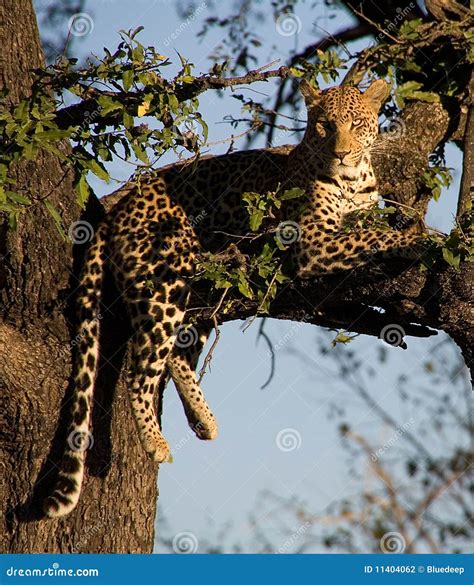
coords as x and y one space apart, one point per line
123 107
256 276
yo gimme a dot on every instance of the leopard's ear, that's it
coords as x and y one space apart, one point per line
376 94
310 94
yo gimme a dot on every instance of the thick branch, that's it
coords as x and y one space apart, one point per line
401 157
82 112
446 9
339 302
467 181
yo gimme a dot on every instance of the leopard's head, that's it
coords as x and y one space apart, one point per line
343 125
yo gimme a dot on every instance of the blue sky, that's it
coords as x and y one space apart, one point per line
211 483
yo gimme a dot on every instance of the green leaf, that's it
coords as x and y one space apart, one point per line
128 120
21 111
135 32
108 104
244 287
30 151
342 337
17 198
99 170
426 96
9 208
127 79
51 135
204 126
450 258
408 87
280 245
140 153
292 193
82 187
138 55
256 220
223 283
173 102
56 217
410 28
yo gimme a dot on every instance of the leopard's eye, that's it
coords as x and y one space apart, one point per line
356 122
326 125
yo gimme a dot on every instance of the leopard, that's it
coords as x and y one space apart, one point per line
150 241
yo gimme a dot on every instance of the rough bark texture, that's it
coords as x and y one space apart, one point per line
118 504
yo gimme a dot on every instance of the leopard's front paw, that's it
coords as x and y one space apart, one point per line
157 448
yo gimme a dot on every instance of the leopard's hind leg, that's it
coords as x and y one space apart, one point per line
152 342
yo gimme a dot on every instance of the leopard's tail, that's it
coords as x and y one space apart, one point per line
67 489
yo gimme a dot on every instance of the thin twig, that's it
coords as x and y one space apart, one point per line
262 333
234 137
272 282
375 25
208 358
219 304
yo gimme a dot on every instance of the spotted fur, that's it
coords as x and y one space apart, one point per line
150 240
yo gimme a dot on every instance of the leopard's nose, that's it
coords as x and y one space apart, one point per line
341 154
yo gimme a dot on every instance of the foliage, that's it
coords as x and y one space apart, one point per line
456 248
411 90
257 275
435 178
327 64
134 90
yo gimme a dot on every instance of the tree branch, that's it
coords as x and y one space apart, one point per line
338 302
467 181
89 109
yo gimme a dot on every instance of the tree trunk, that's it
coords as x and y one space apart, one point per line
37 282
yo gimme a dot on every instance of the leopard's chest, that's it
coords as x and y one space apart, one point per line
330 200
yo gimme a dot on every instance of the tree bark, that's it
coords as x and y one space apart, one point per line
37 281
